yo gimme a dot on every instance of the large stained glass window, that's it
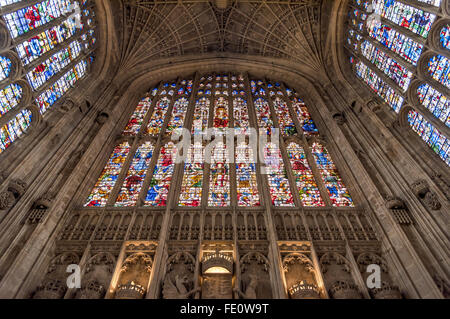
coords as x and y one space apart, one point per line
162 177
150 171
386 39
306 183
129 193
102 189
55 43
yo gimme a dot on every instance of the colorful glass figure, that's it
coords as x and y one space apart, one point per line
162 176
201 116
287 126
219 182
337 191
134 124
132 185
192 185
157 119
247 187
306 183
279 187
107 180
178 115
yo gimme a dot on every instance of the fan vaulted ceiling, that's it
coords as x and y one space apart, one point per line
277 29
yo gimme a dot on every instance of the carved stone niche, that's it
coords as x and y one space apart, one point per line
54 283
217 275
97 276
300 277
422 190
179 282
255 277
134 277
386 290
337 274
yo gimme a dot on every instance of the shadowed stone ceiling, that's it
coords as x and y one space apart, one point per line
276 29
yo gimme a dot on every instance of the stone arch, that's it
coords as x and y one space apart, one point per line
300 276
134 276
254 279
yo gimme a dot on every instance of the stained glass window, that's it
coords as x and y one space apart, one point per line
162 177
221 117
157 119
178 115
445 37
287 126
439 69
395 41
9 98
44 71
108 178
240 115
134 124
5 67
380 87
263 115
401 75
435 102
201 115
219 182
306 183
279 187
140 180
411 18
191 188
247 188
51 95
304 117
338 193
434 139
14 129
32 17
132 185
50 37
